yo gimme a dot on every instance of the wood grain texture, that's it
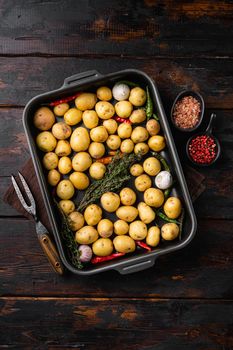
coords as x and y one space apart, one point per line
127 323
201 270
214 78
126 28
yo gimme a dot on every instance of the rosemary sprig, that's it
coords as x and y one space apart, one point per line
68 237
115 176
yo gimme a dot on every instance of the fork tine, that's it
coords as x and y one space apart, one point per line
19 194
27 189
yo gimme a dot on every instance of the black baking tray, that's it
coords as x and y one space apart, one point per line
87 81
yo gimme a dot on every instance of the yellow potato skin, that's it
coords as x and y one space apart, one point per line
104 109
111 126
153 236
121 227
137 96
113 142
96 150
79 180
110 201
44 119
63 148
92 214
154 197
73 116
86 235
80 139
127 146
172 207
81 161
90 119
86 100
136 170
170 231
45 141
50 160
146 213
61 109
138 116
102 247
104 93
67 206
153 127
123 109
64 165
53 177
142 182
76 220
124 244
156 143
97 170
138 230
127 196
127 213
105 228
61 131
152 166
142 148
99 134
124 130
139 134
65 189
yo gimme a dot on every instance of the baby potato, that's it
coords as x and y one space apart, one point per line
105 228
146 213
50 160
43 119
154 197
121 227
156 143
90 119
104 109
80 139
73 116
137 230
86 100
138 116
127 213
127 196
63 148
92 214
81 161
96 150
86 235
127 146
139 134
153 236
136 170
102 247
99 134
153 127
137 96
123 109
64 165
104 93
142 182
110 201
76 220
170 231
124 130
113 142
97 170
110 125
142 148
65 189
46 141
124 244
151 166
53 177
61 109
172 207
79 180
61 131
67 206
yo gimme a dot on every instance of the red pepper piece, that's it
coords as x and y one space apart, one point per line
100 259
122 120
64 100
143 245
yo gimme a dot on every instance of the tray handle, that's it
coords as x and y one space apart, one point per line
81 77
135 267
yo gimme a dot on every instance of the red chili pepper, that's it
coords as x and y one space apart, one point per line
122 120
99 259
143 245
64 100
202 149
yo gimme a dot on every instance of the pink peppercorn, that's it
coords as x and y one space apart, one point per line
202 149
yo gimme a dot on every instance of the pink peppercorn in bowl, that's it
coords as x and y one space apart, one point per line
203 149
187 111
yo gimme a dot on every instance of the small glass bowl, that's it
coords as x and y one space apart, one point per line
198 97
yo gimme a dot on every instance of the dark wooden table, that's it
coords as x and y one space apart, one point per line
186 300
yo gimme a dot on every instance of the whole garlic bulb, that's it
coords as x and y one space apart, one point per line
163 180
85 253
120 91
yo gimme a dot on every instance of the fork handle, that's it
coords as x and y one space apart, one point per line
51 253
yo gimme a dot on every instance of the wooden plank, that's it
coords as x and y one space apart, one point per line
136 323
150 28
37 74
201 270
219 181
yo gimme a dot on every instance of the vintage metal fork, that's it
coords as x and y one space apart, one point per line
44 239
